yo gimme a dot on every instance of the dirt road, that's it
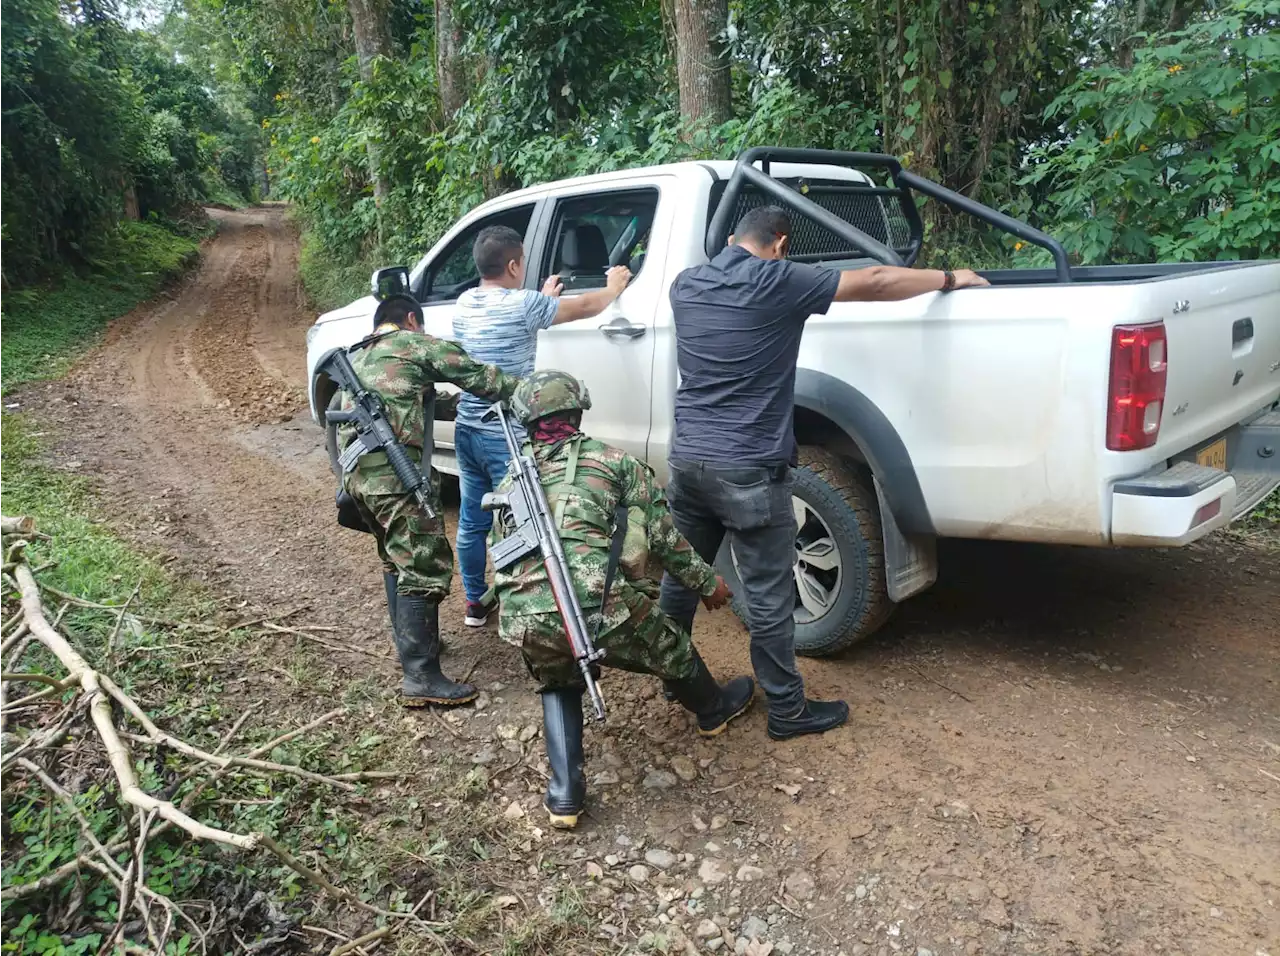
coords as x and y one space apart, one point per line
1053 751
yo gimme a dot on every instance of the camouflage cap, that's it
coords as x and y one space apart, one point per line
546 392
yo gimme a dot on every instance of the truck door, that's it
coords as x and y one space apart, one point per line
449 271
589 231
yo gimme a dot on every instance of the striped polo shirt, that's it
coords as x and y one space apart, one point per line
500 327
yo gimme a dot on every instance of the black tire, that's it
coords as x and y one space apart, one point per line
859 604
331 436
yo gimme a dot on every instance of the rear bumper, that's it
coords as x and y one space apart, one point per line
1188 501
1171 508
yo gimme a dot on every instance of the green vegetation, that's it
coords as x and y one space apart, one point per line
47 327
1264 521
331 282
1176 158
1133 132
105 133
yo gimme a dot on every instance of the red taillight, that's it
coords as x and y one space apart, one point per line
1135 399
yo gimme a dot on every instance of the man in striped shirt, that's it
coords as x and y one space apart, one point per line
498 323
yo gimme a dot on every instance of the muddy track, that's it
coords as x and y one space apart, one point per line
1054 751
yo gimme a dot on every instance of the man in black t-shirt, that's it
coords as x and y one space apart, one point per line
738 322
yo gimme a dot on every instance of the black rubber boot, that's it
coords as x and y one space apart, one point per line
390 581
713 704
815 717
686 622
417 636
562 730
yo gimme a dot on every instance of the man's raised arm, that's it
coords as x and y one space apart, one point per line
589 303
890 283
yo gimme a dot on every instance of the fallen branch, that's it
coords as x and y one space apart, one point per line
33 678
297 632
115 631
97 691
359 941
159 621
24 526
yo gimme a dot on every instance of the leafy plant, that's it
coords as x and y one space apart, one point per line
1177 157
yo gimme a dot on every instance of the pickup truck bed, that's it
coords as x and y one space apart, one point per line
1113 405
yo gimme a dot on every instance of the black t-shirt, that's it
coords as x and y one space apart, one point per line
738 323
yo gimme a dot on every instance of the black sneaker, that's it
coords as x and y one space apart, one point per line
815 717
478 611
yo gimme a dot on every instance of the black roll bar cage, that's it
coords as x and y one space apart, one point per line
745 172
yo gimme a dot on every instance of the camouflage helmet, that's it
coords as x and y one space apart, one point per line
546 392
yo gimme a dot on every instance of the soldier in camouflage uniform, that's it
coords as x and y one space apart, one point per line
401 363
587 483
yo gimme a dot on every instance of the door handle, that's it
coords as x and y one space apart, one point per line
627 331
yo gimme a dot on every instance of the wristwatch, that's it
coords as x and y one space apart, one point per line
948 280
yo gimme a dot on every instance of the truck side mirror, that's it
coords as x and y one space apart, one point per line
390 281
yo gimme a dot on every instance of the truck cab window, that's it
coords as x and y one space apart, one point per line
591 233
454 271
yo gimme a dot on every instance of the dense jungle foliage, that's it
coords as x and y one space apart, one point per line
101 124
1132 129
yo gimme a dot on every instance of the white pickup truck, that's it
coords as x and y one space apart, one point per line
1107 406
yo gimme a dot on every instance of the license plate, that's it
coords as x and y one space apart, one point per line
1214 456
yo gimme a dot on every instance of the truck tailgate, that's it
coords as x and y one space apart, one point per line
1223 330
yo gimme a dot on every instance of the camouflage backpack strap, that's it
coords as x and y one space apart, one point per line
428 432
620 516
570 473
578 518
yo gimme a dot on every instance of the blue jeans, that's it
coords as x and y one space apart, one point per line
482 464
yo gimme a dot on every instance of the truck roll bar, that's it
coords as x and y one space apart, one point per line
903 182
718 231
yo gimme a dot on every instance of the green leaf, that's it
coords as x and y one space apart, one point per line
944 79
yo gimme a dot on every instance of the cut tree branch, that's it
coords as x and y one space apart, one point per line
96 692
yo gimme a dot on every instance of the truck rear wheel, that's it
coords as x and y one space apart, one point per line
841 595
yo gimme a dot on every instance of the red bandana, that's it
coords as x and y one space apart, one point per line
551 430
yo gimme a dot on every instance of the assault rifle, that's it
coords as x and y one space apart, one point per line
531 529
373 431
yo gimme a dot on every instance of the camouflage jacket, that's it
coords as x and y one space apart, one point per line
604 479
403 366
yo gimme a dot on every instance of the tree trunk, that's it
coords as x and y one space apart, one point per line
450 76
373 39
701 66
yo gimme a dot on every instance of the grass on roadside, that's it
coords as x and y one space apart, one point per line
45 329
330 283
1263 522
435 836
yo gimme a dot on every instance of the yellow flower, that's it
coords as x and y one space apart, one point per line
266 124
1017 247
1176 68
315 139
1143 148
279 97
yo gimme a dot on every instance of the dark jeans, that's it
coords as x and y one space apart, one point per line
753 503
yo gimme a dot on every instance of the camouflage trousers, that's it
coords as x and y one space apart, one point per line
412 546
647 642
